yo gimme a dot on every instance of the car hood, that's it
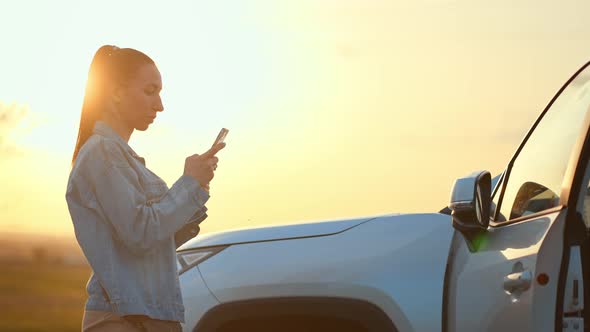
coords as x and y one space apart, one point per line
273 233
397 261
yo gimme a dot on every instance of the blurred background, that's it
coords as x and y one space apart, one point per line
336 108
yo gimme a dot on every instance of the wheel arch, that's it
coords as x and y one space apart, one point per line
365 313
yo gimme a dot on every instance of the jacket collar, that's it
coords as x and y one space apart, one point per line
103 129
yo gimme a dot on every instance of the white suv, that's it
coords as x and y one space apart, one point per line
507 257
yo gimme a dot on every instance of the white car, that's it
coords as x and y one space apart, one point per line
508 257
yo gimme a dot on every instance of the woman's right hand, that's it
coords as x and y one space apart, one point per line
202 167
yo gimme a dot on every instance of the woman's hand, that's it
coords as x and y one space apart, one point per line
202 167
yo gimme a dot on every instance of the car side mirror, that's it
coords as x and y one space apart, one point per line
470 205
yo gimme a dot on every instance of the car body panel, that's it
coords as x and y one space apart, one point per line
369 262
549 256
475 276
196 297
272 233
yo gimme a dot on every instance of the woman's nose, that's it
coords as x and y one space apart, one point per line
159 107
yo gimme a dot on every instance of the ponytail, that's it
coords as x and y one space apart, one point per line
110 66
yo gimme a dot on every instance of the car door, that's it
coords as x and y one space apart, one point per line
509 281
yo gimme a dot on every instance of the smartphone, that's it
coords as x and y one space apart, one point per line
221 136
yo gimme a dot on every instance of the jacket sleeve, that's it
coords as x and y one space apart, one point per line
191 229
138 224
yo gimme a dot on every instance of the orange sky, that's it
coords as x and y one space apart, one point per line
335 108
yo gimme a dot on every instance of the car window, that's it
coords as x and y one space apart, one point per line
583 206
534 181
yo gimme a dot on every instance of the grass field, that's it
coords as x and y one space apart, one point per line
42 297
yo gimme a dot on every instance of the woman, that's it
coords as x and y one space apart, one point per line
125 217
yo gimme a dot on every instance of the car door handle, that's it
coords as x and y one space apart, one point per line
517 281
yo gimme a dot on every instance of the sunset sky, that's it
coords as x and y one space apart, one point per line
336 108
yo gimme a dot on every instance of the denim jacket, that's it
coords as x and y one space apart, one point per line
125 218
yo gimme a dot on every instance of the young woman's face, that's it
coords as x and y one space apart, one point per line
139 100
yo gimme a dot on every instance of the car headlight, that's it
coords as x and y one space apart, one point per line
189 258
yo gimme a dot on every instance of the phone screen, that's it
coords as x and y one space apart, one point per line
221 136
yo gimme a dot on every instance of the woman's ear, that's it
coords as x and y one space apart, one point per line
117 94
